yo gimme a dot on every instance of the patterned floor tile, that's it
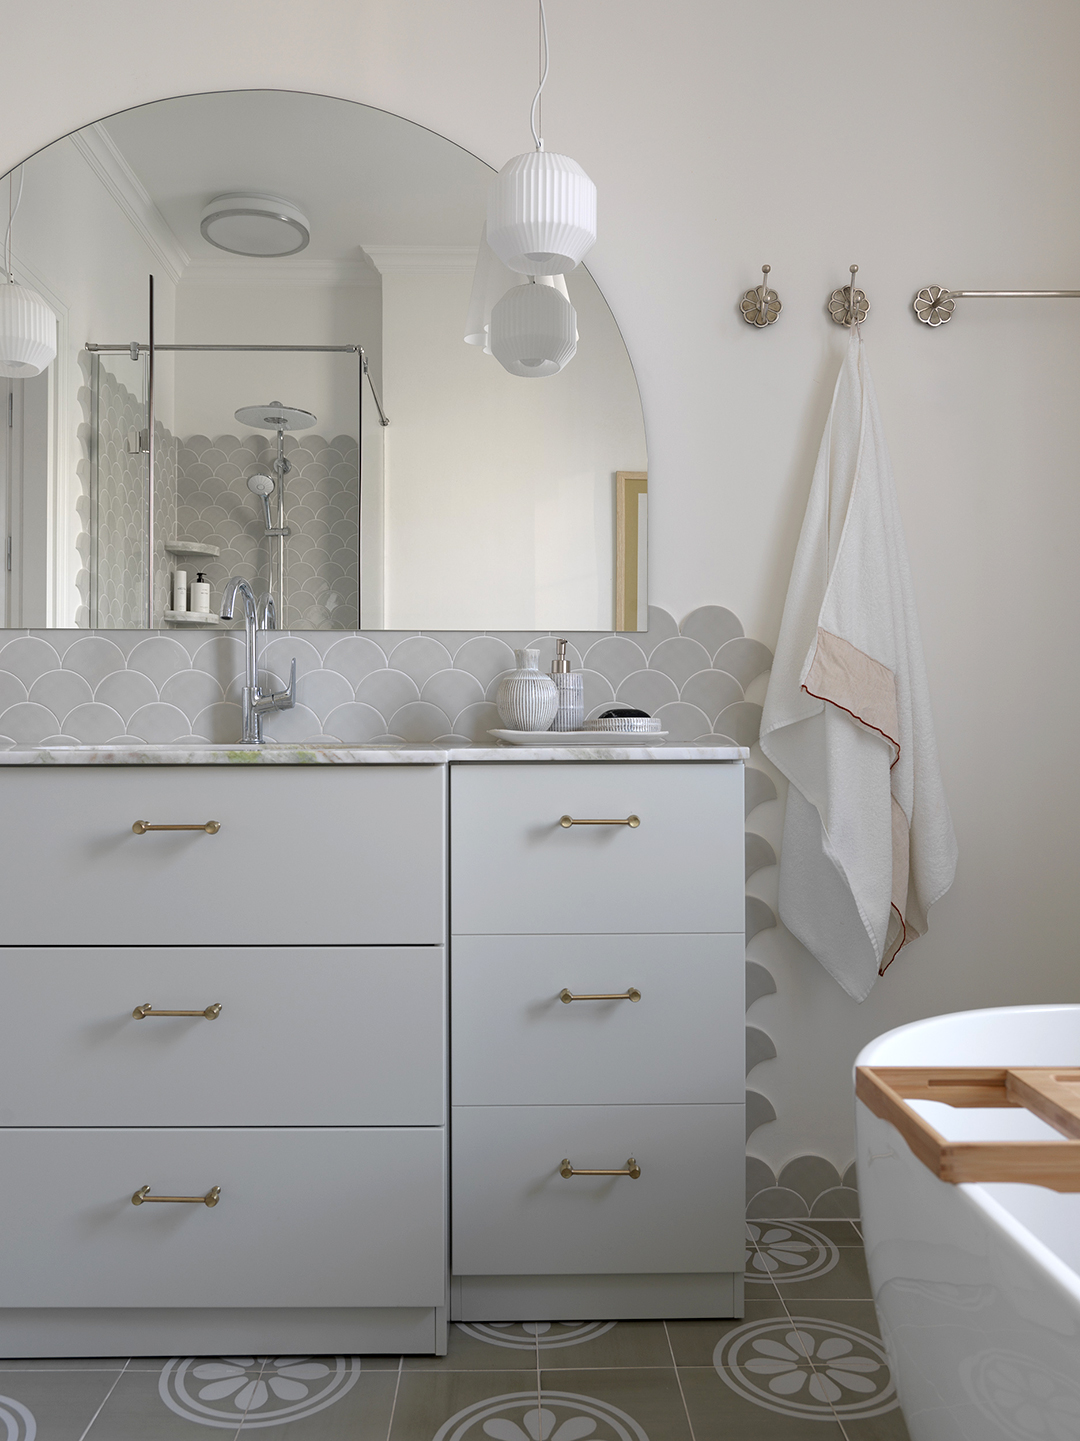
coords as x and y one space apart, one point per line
51 1405
840 1233
604 1346
847 1280
646 1399
487 1347
694 1342
437 1404
362 1411
720 1413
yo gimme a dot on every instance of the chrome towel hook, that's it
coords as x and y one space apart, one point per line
849 306
761 306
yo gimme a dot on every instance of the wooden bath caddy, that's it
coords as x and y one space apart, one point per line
1050 1092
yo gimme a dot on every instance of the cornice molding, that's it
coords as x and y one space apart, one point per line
295 271
422 259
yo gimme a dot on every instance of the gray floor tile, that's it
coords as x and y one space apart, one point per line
362 1411
481 1348
694 1342
862 1314
136 1412
840 1233
846 1281
626 1343
426 1400
651 1397
62 1403
720 1413
888 1427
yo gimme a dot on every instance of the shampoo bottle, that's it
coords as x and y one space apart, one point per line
179 590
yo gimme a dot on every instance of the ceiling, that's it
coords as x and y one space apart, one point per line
362 176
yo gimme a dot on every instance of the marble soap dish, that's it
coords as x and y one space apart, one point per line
578 738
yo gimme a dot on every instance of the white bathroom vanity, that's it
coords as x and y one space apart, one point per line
434 1052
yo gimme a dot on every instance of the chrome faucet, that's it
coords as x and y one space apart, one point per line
254 703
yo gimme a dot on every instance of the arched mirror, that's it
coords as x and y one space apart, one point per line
310 263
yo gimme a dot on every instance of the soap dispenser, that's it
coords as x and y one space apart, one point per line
570 685
200 595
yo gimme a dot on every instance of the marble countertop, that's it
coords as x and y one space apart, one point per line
327 755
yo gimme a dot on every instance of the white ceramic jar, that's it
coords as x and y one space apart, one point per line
527 699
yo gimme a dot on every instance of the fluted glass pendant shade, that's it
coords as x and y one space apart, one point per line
491 281
533 331
541 214
27 332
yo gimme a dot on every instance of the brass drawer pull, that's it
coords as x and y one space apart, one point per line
631 1169
212 1197
211 1013
567 821
210 827
633 994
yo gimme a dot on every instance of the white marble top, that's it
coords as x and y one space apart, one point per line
396 755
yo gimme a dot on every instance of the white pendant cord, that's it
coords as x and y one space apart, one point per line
535 124
13 210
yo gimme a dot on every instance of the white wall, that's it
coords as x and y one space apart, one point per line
933 141
500 493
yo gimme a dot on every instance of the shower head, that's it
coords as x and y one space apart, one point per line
260 484
275 416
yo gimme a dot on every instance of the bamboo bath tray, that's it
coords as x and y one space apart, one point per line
1050 1092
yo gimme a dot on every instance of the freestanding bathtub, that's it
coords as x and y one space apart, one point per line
977 1286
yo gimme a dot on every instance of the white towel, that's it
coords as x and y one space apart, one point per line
868 842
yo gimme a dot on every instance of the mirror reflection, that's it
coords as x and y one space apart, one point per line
246 286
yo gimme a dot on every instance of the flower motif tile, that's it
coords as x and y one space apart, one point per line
788 1252
559 1416
261 1391
804 1366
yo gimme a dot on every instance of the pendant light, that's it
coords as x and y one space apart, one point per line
491 281
541 207
534 329
27 325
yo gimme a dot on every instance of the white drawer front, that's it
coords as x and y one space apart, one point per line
332 1036
305 855
514 1214
306 1218
516 869
515 1042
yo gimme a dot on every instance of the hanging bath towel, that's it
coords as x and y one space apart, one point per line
868 842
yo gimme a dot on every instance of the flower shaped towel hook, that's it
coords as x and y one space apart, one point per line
761 306
849 306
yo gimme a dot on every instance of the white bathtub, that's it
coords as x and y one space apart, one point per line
977 1286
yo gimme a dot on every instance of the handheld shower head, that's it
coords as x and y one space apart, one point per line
260 484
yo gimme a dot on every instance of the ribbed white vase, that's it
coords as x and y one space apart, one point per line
541 213
527 699
27 332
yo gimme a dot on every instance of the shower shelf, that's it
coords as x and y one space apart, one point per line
191 617
192 548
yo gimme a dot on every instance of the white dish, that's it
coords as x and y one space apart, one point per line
578 738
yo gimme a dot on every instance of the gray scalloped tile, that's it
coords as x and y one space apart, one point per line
711 691
615 657
647 690
759 788
280 652
744 658
475 721
759 917
759 854
546 646
662 626
191 690
12 690
452 690
320 690
59 741
680 658
28 656
486 657
354 723
420 657
93 657
682 721
127 690
741 720
297 724
222 656
354 657
94 723
519 639
159 723
387 691
712 625
597 692
453 640
159 657
220 722
419 721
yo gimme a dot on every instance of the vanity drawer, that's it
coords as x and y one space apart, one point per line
514 1213
515 1042
342 1217
332 1036
516 869
305 855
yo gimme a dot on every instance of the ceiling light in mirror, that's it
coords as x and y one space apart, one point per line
534 330
255 225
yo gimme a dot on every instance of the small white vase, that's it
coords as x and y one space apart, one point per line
527 699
